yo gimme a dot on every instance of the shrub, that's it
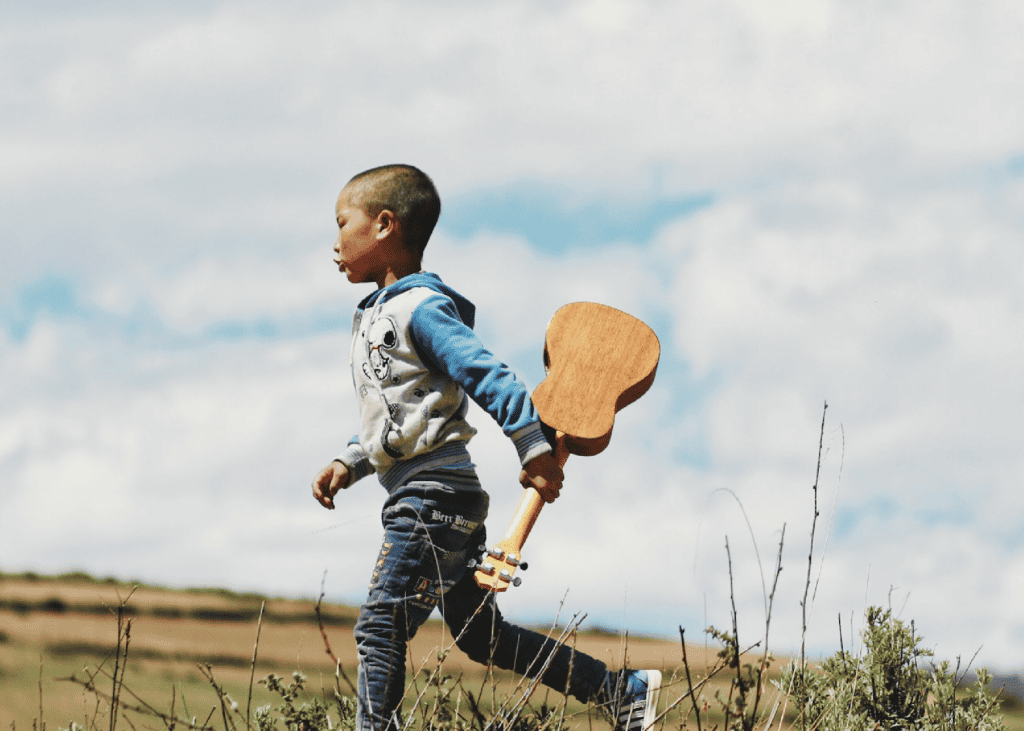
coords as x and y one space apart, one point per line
311 716
886 687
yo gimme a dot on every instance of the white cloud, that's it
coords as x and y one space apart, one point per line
178 168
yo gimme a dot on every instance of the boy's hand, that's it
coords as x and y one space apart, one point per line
543 473
326 484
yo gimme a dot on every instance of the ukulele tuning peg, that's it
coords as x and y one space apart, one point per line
524 565
471 563
517 581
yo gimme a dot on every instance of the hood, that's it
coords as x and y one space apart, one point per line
467 310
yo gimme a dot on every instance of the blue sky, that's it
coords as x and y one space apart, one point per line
816 202
553 224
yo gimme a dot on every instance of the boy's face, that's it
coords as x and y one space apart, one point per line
359 248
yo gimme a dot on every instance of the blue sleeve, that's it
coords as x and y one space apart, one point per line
448 345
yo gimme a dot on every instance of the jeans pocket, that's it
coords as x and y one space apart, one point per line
443 526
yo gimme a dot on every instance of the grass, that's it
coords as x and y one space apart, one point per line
88 654
54 627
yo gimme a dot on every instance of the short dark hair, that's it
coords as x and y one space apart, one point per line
407 192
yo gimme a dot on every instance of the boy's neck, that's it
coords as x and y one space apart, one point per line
393 274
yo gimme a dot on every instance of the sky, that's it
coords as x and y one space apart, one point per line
810 201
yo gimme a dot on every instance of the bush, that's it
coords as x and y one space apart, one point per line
886 688
311 716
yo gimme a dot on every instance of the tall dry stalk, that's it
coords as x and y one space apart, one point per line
252 670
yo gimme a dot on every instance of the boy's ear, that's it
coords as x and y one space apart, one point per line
387 222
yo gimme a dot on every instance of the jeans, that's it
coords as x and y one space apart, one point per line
432 526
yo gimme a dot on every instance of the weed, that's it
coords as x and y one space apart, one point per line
310 716
887 687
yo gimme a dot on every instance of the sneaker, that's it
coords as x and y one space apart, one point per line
637 705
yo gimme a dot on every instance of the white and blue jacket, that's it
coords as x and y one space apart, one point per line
415 359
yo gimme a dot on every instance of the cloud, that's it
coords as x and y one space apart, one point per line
820 203
888 310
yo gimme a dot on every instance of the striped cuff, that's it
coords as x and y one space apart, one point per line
358 463
530 442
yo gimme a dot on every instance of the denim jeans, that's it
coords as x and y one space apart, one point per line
432 526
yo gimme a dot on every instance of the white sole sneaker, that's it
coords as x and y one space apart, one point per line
653 691
639 714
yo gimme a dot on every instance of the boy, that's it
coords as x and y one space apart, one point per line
415 359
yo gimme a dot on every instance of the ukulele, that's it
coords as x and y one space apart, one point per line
598 360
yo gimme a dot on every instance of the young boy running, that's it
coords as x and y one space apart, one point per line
415 362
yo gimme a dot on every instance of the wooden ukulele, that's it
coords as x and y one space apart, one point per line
598 360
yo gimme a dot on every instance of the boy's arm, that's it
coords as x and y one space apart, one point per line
351 465
448 345
356 460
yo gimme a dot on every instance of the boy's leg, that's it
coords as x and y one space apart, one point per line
425 549
629 696
387 620
483 634
428 537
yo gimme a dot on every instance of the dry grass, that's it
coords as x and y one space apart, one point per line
54 628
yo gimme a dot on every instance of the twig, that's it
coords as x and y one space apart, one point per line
967 669
338 670
842 650
90 685
117 664
144 708
474 707
810 562
741 684
570 629
753 541
119 681
689 681
42 721
832 514
252 671
765 657
810 553
775 585
207 671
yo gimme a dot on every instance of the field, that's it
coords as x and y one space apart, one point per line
52 629
56 629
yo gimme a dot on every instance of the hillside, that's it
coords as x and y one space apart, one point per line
53 628
58 633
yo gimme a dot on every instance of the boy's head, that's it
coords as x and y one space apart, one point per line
405 191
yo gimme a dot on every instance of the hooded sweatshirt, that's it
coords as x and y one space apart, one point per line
415 359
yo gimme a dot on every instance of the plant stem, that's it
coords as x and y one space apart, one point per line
689 681
810 563
252 671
